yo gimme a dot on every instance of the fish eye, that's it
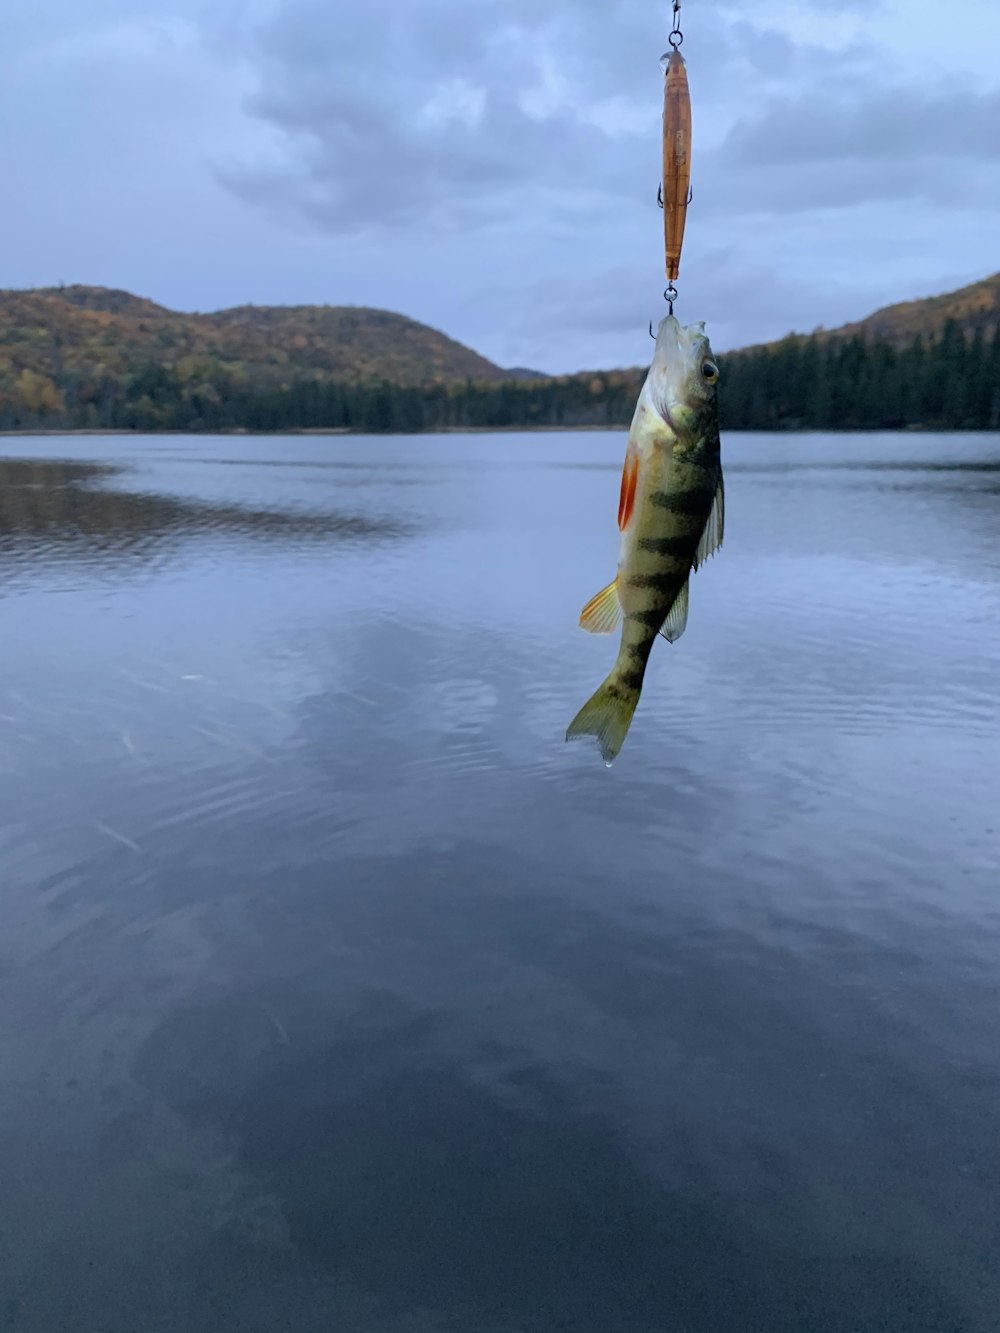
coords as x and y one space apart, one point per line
710 371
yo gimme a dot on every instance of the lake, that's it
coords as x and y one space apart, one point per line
339 993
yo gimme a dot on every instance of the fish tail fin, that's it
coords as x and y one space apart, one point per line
607 715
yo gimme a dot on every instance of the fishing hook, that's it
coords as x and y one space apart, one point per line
659 195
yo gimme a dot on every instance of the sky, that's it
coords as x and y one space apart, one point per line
490 166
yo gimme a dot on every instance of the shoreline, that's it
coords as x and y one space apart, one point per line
238 432
314 430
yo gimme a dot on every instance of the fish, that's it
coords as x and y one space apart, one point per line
671 515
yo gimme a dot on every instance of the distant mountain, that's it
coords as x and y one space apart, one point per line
72 331
522 373
932 364
105 300
972 308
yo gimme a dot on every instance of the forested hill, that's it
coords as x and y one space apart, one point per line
973 308
931 363
88 345
99 359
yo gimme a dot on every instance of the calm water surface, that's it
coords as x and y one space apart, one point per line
338 993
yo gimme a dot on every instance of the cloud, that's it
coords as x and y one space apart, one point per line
440 116
828 151
898 124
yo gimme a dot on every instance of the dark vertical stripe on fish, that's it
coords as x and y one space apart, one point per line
664 583
632 680
693 502
651 619
679 547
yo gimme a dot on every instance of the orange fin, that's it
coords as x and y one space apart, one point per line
603 612
630 479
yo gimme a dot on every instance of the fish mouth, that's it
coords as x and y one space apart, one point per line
674 364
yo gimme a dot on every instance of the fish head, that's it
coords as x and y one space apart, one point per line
683 377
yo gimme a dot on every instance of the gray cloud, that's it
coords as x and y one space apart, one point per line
836 7
902 124
426 114
825 150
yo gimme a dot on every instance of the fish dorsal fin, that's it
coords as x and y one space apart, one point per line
630 479
711 538
677 617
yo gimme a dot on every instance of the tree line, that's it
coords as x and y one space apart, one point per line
951 382
948 382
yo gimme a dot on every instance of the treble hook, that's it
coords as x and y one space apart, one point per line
651 333
659 195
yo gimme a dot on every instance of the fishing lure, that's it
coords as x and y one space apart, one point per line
676 159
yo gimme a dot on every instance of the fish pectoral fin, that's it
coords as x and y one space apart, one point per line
711 538
603 613
677 617
630 480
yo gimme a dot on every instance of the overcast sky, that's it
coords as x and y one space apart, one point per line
490 166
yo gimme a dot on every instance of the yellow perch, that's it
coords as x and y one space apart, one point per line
670 515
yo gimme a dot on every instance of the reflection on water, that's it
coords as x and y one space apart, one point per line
57 510
342 994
